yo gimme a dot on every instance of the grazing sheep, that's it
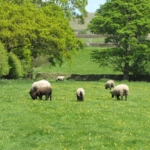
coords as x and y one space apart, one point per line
60 78
80 94
109 84
41 88
120 90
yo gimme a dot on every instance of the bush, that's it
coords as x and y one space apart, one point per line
39 61
16 69
4 66
82 32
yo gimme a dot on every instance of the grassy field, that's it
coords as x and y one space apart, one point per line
100 122
81 64
93 40
76 26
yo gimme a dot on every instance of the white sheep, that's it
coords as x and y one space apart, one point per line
120 90
40 88
60 78
80 94
109 84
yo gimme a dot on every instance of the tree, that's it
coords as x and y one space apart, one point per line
71 8
126 24
29 31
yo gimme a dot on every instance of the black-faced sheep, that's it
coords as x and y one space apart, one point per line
109 84
120 90
60 78
40 88
80 94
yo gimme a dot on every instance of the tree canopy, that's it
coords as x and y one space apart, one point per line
71 8
29 31
126 24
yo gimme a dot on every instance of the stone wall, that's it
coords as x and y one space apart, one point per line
91 77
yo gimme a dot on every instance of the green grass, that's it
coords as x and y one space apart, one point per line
81 64
99 122
92 40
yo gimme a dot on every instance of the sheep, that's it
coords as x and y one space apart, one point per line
109 84
40 88
80 94
60 78
120 90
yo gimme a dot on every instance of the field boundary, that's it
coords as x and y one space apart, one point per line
99 44
91 77
90 36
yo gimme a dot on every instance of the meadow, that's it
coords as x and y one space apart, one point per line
100 122
93 40
81 64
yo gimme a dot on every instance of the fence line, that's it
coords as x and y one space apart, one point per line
92 77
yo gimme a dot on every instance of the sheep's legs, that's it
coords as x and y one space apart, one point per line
118 97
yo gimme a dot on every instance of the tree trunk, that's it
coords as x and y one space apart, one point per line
126 75
126 72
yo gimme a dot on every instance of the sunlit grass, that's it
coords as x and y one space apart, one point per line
93 40
81 64
99 122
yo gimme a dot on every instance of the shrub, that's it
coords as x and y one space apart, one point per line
39 61
4 66
16 69
82 32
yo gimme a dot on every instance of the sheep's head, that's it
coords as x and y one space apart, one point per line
81 95
33 95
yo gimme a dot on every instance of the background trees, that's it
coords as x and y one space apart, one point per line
71 8
126 24
28 31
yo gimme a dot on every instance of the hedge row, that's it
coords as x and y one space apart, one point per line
91 77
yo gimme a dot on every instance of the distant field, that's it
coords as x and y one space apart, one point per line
76 26
92 40
98 123
81 64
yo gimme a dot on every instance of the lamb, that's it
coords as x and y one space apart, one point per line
40 88
60 78
120 90
80 94
109 84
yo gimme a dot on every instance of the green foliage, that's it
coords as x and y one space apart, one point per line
82 32
40 61
4 66
25 56
29 31
16 69
71 8
126 25
100 122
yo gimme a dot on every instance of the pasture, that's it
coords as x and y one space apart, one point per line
94 40
81 64
100 122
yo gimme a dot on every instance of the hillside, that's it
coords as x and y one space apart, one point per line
77 27
81 64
